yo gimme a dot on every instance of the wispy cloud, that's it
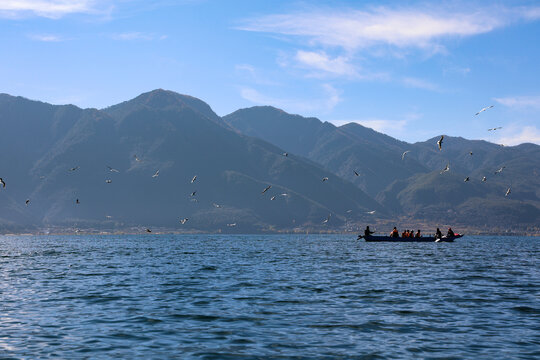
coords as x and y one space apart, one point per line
323 64
326 102
353 29
130 36
419 84
53 9
520 101
253 75
516 136
46 37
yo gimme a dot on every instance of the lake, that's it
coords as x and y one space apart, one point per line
268 296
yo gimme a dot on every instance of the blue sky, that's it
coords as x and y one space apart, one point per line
412 70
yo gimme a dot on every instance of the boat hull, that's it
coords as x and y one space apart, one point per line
400 239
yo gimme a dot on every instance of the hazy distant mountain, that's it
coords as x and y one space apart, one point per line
413 187
181 137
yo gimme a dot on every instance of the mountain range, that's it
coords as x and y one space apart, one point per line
130 167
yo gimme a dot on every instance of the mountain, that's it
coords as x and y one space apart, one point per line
181 137
413 187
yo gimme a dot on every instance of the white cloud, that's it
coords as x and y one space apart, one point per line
421 28
520 101
527 134
420 84
53 9
320 61
46 37
325 103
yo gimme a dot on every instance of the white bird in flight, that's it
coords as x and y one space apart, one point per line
324 179
217 206
108 181
285 154
495 128
327 219
74 168
466 179
231 224
273 197
3 183
111 169
403 155
156 174
484 179
355 173
193 179
183 221
446 168
266 189
484 109
370 212
439 143
500 170
136 158
508 192
27 202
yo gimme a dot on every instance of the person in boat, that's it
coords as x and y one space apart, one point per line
418 235
394 233
450 233
438 234
367 232
404 234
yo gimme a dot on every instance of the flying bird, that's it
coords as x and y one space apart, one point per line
231 224
370 212
403 155
108 181
327 219
266 189
194 193
495 128
136 158
285 154
108 216
2 182
183 221
470 153
148 230
508 192
273 197
193 179
355 173
484 109
324 179
156 174
466 179
348 211
446 168
111 169
440 142
77 201
216 205
27 202
500 170
74 168
484 179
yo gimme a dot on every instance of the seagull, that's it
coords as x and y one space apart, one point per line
194 178
108 181
183 221
112 169
108 216
27 202
495 128
266 189
484 179
285 154
231 224
484 109
216 205
194 193
77 201
156 174
2 182
348 211
500 170
508 192
403 155
370 212
470 153
74 168
466 179
284 194
148 230
324 179
327 219
446 168
273 197
355 173
136 158
440 142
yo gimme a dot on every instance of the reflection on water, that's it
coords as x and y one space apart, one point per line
213 296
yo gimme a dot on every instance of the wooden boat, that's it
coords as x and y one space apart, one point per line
372 238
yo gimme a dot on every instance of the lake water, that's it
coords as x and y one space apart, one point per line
268 296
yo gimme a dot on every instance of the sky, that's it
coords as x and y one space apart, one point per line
412 70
